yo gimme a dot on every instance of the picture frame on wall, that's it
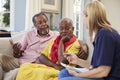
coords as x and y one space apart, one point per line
52 6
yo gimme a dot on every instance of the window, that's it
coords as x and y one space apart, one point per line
78 21
4 14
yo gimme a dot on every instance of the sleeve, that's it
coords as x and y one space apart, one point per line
104 49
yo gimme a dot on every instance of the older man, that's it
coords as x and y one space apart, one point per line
52 55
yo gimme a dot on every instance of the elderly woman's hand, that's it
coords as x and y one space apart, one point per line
65 39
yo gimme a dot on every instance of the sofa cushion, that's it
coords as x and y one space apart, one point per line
5 46
1 73
11 75
16 36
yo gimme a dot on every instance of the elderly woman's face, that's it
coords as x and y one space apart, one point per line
66 29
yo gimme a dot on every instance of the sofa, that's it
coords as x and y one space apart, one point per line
6 48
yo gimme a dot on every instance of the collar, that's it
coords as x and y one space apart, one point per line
36 34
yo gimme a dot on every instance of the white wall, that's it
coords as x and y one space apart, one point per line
67 9
32 7
113 12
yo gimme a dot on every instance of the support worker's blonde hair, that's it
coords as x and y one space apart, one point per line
96 13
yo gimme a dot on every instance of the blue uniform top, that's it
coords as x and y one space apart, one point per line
107 52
